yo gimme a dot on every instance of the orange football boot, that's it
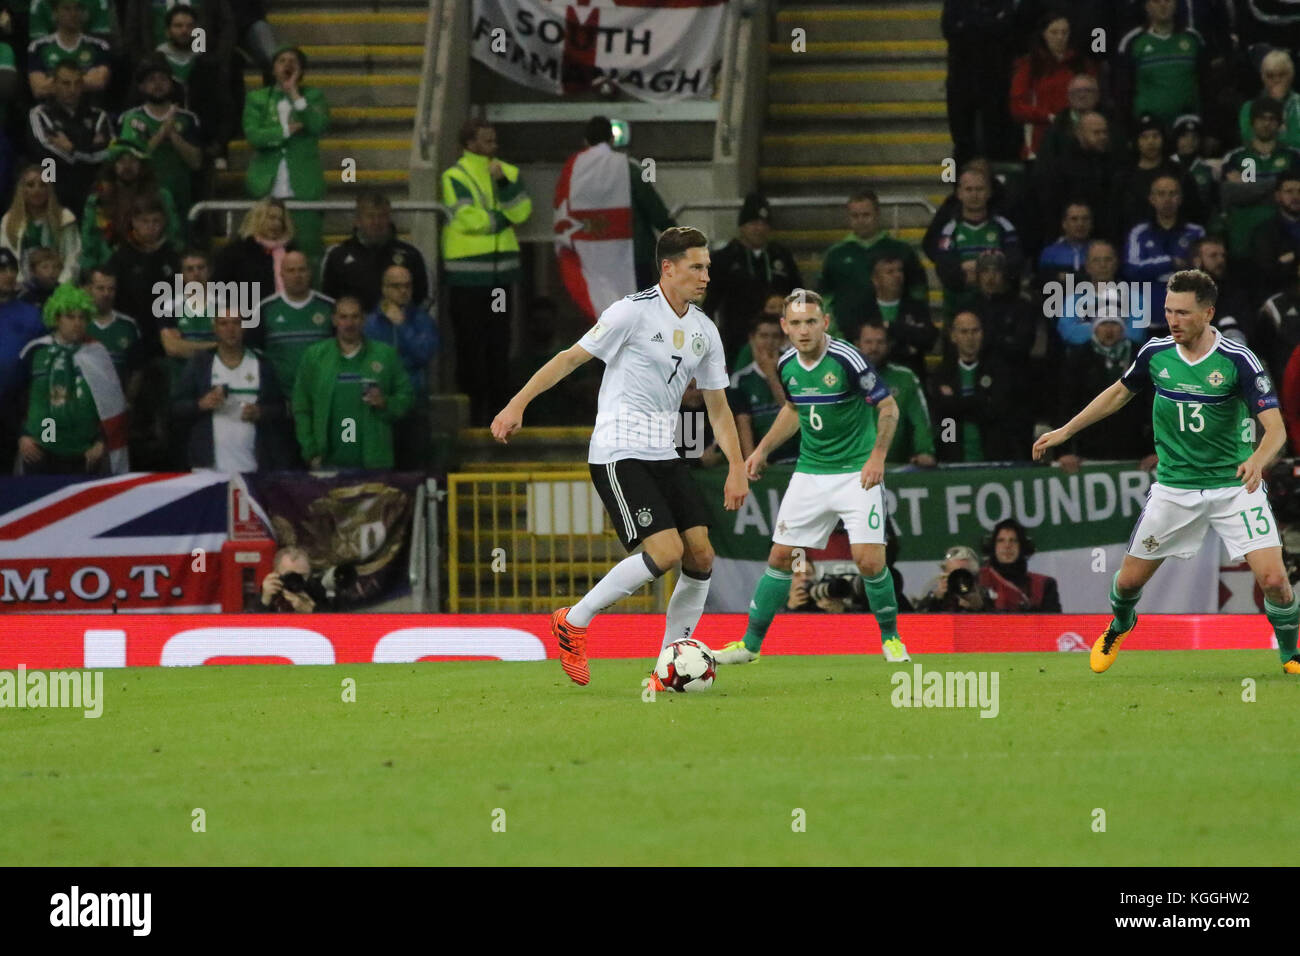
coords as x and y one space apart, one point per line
573 646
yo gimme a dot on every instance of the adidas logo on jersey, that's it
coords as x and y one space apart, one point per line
658 337
1164 373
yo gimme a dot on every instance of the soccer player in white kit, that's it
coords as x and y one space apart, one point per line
653 343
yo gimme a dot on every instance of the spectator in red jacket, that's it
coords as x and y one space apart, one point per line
1040 81
1008 549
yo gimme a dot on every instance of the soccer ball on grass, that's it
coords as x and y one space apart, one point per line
685 666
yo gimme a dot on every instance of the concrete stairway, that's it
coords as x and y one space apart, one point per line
365 56
864 105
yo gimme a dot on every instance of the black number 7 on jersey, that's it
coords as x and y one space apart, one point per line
677 364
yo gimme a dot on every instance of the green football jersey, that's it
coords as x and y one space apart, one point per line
1244 220
1203 410
182 64
138 124
45 54
99 19
913 436
1165 72
835 399
121 336
763 408
193 327
846 274
61 412
970 240
287 329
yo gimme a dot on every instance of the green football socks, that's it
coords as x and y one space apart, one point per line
1124 608
884 603
772 592
1286 624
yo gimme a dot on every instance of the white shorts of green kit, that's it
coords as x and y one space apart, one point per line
1174 522
814 503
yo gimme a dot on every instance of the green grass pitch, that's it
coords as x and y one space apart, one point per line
412 772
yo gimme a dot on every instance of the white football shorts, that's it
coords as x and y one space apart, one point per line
814 503
1174 521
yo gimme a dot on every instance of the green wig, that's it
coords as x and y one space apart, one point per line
67 298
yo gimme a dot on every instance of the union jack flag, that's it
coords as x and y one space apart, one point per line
139 541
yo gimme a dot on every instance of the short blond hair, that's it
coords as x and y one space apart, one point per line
1277 60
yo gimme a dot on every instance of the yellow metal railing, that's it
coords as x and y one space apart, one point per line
530 541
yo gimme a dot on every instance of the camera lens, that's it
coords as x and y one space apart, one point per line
961 582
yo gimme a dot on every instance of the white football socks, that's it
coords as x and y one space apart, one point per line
686 606
629 575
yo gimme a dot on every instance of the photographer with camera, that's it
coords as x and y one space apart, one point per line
1008 549
833 590
292 588
957 588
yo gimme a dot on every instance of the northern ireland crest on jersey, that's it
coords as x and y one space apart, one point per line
318 318
1150 543
1215 378
829 379
679 338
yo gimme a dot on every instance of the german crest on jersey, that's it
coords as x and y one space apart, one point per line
697 343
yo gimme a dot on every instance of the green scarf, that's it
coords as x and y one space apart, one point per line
1117 356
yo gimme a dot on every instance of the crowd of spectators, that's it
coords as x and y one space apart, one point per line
1099 148
116 121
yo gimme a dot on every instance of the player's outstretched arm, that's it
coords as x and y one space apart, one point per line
1251 471
1107 403
736 486
511 418
783 428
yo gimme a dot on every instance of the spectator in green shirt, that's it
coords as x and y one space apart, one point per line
170 134
846 268
67 41
1277 72
283 122
1248 175
760 383
1159 66
63 433
349 393
913 441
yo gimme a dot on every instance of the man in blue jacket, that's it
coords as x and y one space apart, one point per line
1159 247
20 322
406 326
